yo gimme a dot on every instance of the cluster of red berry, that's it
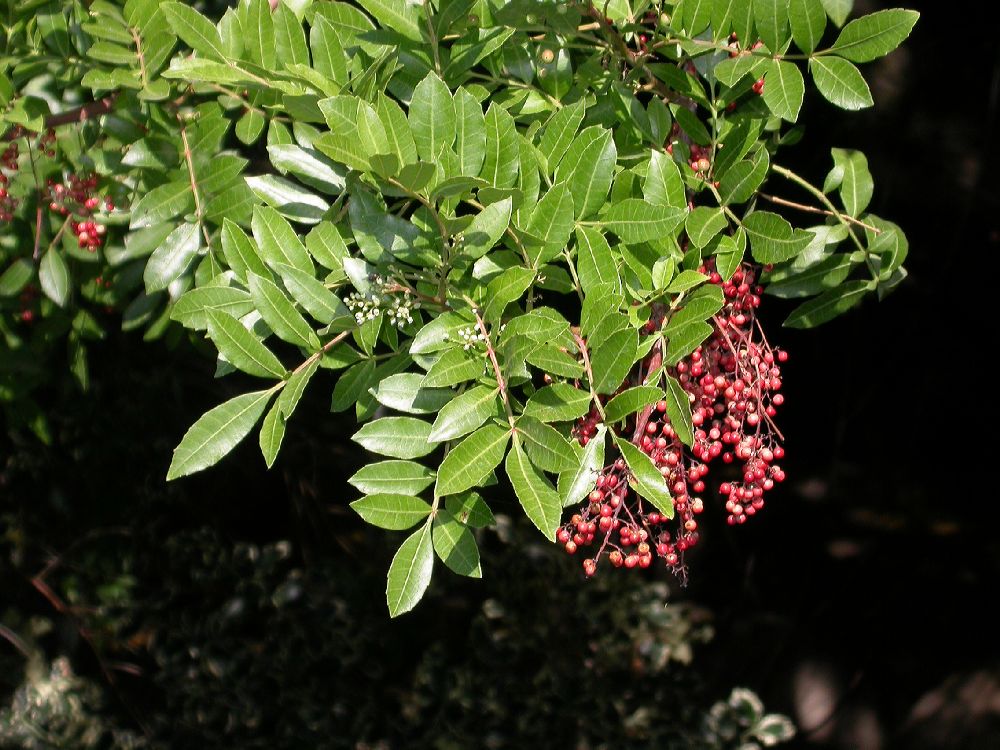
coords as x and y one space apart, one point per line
47 142
8 203
28 298
8 161
732 382
77 199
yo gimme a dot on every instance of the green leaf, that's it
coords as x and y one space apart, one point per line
16 277
289 199
241 348
828 305
771 17
502 150
697 14
53 275
596 263
808 20
783 89
699 305
703 223
398 437
278 242
411 568
869 37
856 185
312 294
272 433
559 133
192 309
630 401
838 10
456 546
827 274
599 316
258 33
280 314
399 15
470 133
397 129
194 29
592 170
470 462
310 166
162 203
612 360
664 185
772 239
841 83
327 52
576 484
217 432
551 223
685 339
635 220
464 413
691 125
240 252
539 499
547 448
646 478
289 38
404 392
486 229
741 182
199 70
558 402
552 359
393 477
506 288
172 257
455 366
469 508
440 333
686 280
353 385
295 387
432 118
395 512
679 411
327 246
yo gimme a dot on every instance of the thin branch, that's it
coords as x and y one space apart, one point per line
432 36
813 210
582 345
491 353
189 159
139 54
842 218
77 114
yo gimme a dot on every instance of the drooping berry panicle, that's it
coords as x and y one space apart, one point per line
733 383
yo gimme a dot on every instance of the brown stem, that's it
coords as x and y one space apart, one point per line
492 354
814 210
77 114
582 345
655 359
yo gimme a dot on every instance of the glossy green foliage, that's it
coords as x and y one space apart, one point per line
430 183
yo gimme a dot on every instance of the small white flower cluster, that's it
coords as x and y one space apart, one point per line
472 336
364 308
401 311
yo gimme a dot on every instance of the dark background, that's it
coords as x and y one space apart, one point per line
860 603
